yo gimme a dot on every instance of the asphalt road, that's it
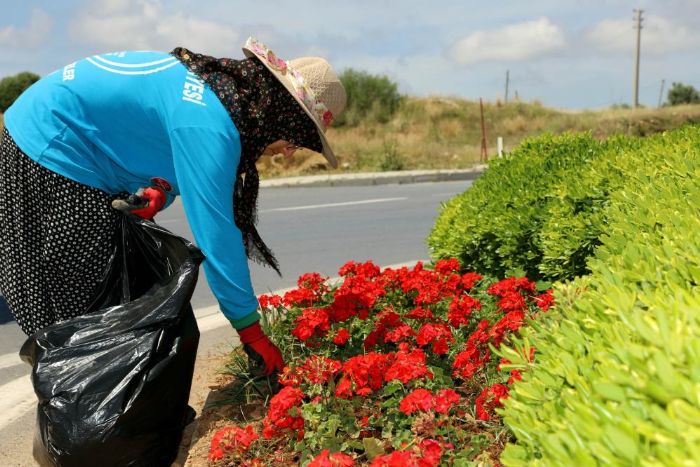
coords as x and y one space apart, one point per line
310 230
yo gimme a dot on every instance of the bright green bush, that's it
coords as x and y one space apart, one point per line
616 374
496 226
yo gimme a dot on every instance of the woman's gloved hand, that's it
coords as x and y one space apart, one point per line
145 203
261 351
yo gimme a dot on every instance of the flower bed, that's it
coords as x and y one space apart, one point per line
393 367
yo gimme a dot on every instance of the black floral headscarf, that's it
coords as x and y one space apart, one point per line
263 111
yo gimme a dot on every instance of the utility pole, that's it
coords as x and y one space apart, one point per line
484 152
638 25
661 92
507 80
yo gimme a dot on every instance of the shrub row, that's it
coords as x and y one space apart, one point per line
616 377
535 211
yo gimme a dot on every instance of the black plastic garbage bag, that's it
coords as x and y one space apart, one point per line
113 384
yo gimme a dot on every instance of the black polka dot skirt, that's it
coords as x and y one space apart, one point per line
56 240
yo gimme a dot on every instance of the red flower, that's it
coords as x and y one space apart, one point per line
489 399
545 300
366 372
475 355
311 322
445 399
510 322
284 413
512 300
407 366
426 454
460 309
396 459
270 301
341 337
400 333
512 284
439 335
447 266
231 439
420 314
514 376
311 289
316 369
419 399
431 452
351 268
469 279
337 459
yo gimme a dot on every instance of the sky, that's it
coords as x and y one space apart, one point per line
570 54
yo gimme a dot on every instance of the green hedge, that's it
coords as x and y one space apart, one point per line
616 375
513 216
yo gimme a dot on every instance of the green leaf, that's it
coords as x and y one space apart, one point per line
373 447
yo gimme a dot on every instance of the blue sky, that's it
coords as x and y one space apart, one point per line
564 53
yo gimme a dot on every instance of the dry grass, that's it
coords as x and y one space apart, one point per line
442 133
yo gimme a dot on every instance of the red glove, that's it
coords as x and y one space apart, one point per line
260 349
145 203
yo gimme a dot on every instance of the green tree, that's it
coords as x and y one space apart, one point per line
12 86
372 98
683 94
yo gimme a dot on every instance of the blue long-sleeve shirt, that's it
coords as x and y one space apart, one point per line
117 120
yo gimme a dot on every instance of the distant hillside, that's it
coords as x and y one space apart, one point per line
441 133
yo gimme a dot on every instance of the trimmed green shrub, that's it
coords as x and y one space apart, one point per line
616 374
496 226
12 86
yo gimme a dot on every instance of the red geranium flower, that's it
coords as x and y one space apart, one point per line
231 439
445 399
437 334
408 365
337 459
489 399
545 300
341 336
447 266
460 309
311 322
418 399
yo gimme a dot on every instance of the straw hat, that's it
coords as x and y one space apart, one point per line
311 81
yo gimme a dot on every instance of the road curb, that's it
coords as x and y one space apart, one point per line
375 178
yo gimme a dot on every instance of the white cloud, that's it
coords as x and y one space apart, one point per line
35 34
659 35
517 42
145 24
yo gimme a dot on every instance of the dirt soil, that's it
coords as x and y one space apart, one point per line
207 387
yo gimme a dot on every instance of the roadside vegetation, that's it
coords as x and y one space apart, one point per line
614 224
445 133
444 365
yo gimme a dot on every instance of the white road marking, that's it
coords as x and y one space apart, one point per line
332 205
17 396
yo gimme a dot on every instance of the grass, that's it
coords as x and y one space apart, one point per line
445 133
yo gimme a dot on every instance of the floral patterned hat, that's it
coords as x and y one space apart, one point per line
312 82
